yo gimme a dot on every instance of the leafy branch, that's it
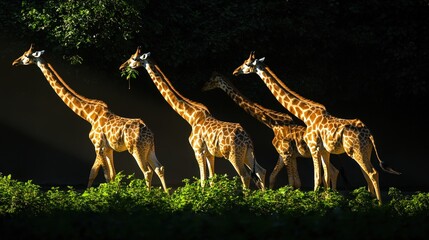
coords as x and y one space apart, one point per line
129 73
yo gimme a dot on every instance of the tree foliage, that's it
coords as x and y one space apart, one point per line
343 46
81 28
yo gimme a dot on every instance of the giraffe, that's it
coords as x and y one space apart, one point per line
109 132
288 137
209 136
325 133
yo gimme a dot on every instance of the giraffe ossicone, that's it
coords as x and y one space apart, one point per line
109 132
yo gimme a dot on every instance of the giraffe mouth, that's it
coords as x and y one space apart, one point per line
16 63
123 66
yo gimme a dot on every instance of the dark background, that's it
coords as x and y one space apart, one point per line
361 60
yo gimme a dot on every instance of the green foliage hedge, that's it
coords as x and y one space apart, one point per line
128 195
126 208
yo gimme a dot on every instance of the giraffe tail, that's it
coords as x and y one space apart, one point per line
383 165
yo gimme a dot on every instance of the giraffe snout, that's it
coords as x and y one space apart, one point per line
123 66
17 62
236 72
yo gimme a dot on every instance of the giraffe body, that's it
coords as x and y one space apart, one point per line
325 133
288 137
209 137
109 132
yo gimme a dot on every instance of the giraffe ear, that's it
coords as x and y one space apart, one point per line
258 60
145 56
38 53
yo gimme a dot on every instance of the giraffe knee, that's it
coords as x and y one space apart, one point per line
160 171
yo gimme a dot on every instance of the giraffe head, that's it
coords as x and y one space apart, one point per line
29 57
249 65
216 81
138 59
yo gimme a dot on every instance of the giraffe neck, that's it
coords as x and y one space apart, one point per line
295 104
266 116
60 79
192 112
83 107
274 76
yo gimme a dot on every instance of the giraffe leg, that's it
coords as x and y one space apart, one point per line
100 161
211 166
363 158
260 172
326 163
359 149
333 172
202 165
295 174
371 176
236 158
110 164
159 169
369 182
287 160
142 161
312 142
244 175
94 172
317 164
200 149
252 164
279 165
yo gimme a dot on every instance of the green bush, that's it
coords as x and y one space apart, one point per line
129 195
224 195
126 208
409 205
19 197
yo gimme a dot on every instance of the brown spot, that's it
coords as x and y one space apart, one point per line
311 117
318 119
78 104
304 107
294 101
